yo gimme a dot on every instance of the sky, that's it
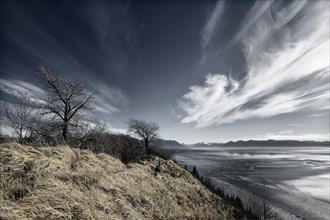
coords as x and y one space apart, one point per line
205 71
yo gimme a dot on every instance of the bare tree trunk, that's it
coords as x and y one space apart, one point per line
65 132
20 136
146 143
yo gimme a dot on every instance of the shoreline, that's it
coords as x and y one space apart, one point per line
246 195
286 200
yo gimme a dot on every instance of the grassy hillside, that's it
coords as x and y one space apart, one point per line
64 183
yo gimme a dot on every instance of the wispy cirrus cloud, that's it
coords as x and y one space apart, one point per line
19 88
118 32
211 28
211 31
108 99
286 50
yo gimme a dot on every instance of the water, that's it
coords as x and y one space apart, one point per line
294 179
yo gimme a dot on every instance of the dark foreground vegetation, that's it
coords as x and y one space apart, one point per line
121 146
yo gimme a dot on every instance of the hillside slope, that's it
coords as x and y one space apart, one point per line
64 183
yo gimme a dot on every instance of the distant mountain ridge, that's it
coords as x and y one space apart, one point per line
276 143
171 143
174 143
208 144
263 143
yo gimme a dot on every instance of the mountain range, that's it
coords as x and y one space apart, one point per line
255 143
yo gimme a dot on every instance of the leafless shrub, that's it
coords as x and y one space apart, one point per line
20 118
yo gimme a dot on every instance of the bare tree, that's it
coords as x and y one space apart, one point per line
147 131
66 99
20 118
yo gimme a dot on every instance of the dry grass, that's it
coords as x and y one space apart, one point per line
63 183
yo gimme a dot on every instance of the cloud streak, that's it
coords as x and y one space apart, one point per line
19 88
286 49
255 13
109 100
210 29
